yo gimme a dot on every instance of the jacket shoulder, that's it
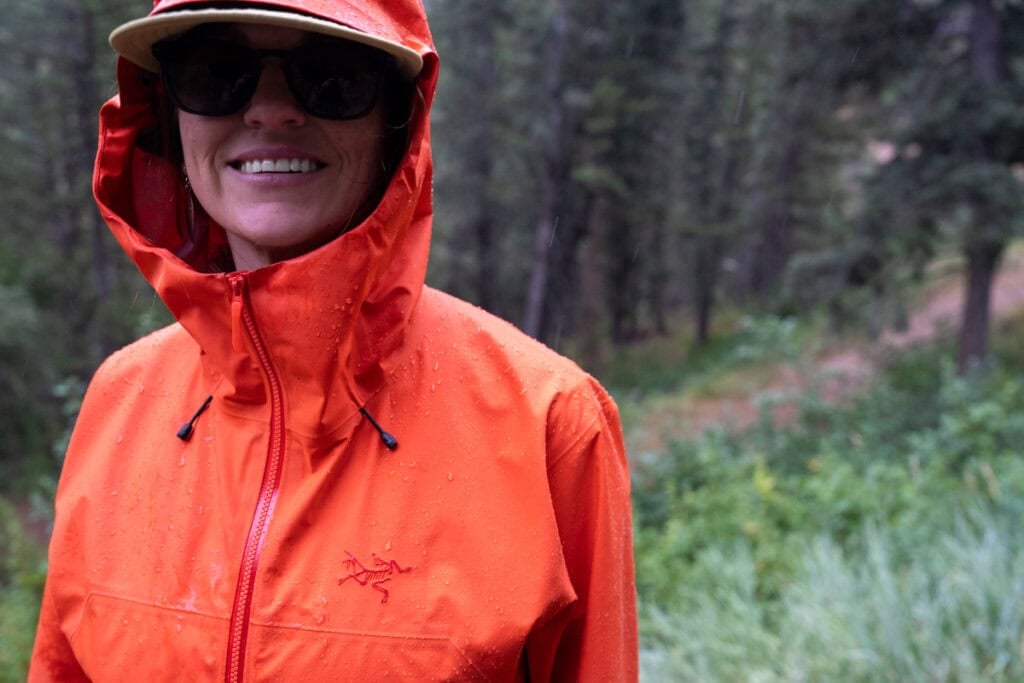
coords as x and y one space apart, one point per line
457 319
146 354
498 364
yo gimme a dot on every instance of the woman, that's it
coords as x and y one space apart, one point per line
325 469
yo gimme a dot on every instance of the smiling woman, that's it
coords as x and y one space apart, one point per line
326 470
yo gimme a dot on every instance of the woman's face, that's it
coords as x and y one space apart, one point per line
326 174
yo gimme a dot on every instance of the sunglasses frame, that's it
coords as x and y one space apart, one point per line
172 53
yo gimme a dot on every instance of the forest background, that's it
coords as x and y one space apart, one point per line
673 192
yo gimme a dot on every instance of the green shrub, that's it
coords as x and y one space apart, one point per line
22 574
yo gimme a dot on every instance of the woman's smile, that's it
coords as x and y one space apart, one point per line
277 166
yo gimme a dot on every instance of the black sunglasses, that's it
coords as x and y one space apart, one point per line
330 78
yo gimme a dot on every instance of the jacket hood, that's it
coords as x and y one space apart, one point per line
331 318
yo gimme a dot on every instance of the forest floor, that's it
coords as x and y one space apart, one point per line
835 373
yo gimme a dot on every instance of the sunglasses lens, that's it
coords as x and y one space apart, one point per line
209 78
338 81
331 78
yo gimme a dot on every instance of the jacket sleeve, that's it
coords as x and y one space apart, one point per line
52 658
594 638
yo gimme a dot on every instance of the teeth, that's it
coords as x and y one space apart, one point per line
279 166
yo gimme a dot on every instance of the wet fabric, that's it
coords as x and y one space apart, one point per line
282 539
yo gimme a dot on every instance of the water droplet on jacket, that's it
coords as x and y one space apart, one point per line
177 627
451 476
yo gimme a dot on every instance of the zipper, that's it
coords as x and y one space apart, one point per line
239 626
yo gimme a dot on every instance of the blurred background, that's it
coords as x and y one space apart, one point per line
784 233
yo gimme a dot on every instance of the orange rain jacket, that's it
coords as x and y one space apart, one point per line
282 540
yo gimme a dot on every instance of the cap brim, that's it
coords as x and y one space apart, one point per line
134 40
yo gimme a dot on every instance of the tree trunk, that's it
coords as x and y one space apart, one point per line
593 326
658 279
987 63
987 60
982 263
715 179
485 76
776 240
709 254
553 173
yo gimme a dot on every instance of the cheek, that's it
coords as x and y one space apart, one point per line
188 145
199 137
361 142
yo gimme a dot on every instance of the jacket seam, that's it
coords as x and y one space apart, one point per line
588 432
135 601
286 627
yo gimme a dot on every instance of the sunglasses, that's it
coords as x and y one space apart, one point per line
330 78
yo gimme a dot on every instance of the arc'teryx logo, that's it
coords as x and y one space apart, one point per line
375 577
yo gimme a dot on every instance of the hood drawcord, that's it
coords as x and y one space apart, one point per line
389 440
185 433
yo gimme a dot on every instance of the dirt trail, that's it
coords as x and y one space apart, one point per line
835 374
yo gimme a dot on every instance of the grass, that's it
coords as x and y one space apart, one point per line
953 612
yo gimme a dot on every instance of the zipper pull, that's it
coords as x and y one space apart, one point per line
238 285
239 335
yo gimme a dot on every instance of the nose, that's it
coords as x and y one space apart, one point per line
273 105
